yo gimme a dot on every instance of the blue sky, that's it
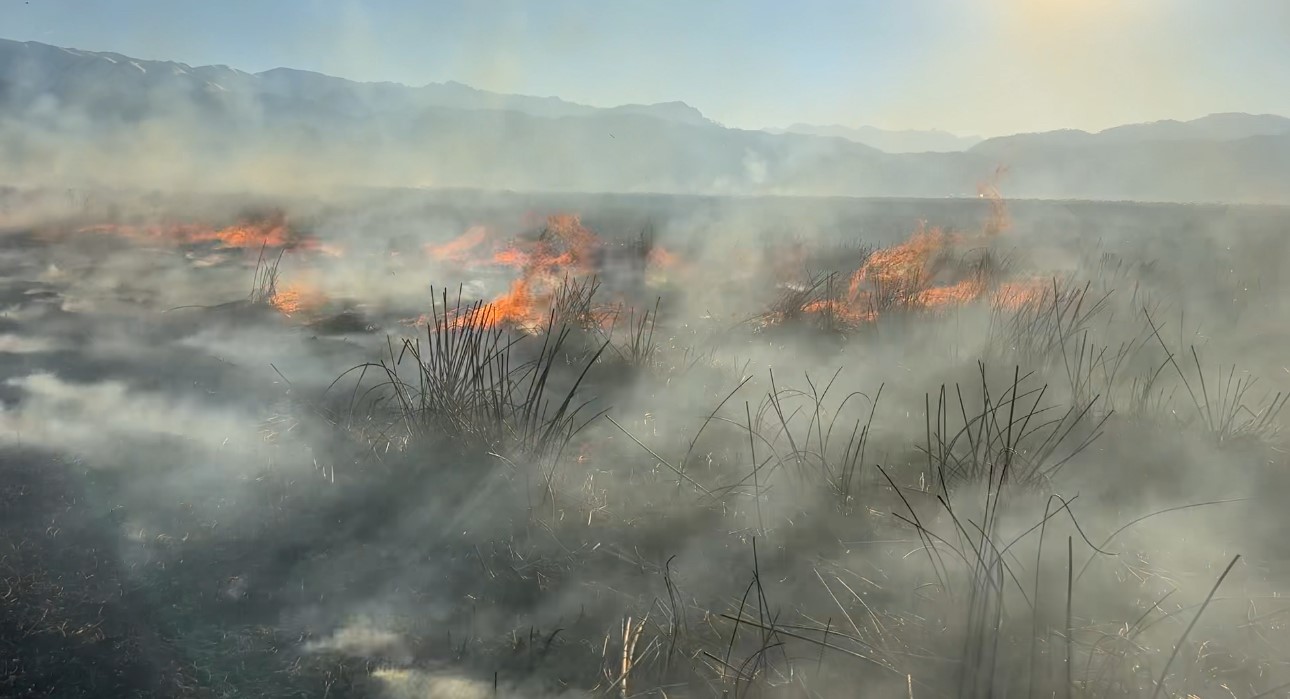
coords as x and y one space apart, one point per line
970 66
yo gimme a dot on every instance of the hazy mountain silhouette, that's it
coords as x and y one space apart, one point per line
31 70
87 118
901 141
1215 127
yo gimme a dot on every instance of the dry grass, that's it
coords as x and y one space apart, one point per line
718 534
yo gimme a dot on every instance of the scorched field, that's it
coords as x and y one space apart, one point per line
406 446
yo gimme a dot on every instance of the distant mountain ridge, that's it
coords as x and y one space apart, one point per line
88 118
68 73
901 141
1228 126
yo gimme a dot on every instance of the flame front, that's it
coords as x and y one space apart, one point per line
298 297
459 249
899 271
271 231
925 272
907 275
565 248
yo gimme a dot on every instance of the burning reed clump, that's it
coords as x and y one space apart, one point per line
930 272
470 386
559 267
250 233
264 287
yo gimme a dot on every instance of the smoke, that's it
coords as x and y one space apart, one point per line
744 468
788 447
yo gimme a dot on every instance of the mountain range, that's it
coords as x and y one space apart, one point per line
90 118
889 141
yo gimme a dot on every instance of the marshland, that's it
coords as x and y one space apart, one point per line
392 446
743 350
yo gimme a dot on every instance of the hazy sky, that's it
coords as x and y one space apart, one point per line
970 66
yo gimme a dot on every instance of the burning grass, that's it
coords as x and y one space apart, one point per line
470 388
930 272
573 487
963 493
252 233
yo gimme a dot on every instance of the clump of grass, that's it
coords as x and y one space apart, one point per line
640 349
813 452
1228 412
819 303
1010 440
1036 328
469 386
573 304
264 283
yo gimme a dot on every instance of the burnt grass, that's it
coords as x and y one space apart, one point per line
74 623
710 507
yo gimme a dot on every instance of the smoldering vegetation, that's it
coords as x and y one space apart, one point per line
477 445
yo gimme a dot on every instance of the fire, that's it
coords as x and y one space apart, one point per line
578 238
565 249
842 312
297 298
900 271
1014 295
511 257
564 242
999 220
516 307
928 271
271 231
911 274
660 257
458 249
955 294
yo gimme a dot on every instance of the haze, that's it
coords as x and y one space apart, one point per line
663 350
970 67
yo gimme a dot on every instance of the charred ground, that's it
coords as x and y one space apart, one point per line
466 444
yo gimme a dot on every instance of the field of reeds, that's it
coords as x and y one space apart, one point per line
343 453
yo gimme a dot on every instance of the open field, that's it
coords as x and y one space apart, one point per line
463 444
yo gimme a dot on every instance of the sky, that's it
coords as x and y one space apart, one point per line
978 67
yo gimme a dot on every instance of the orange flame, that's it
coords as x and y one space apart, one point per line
900 267
1015 295
844 313
516 307
458 249
271 231
511 257
660 257
904 275
576 237
959 293
999 220
297 298
565 249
